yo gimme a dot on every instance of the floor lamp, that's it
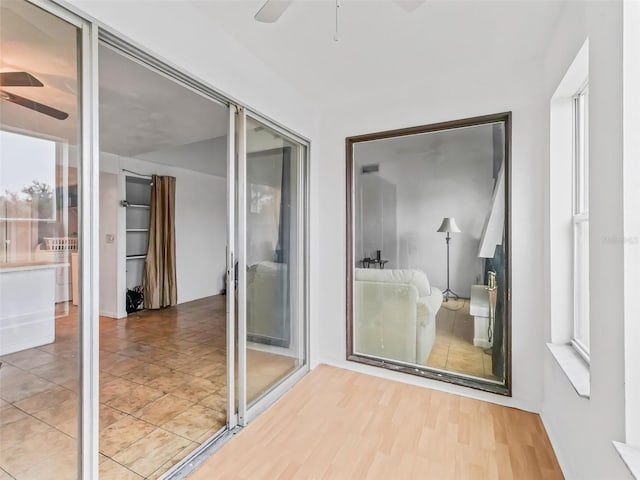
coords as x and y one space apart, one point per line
449 226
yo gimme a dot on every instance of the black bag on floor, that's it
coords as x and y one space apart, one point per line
134 299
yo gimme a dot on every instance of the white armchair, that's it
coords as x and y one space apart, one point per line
395 314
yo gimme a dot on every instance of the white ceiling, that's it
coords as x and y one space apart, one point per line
378 37
31 40
142 111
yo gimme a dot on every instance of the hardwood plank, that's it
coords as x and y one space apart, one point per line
338 424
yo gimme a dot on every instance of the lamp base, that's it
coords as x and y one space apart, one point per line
448 293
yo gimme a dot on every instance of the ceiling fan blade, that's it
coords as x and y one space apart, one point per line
38 107
19 79
272 10
409 5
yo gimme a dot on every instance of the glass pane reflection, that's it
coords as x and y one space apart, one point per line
274 297
39 145
429 250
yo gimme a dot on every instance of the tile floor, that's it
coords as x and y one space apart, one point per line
453 349
162 393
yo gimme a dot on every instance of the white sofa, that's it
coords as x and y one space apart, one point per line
395 314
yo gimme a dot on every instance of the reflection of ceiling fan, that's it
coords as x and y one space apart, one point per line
271 10
24 79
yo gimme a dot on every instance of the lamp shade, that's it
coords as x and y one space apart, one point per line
449 225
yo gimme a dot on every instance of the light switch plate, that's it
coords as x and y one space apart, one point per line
110 237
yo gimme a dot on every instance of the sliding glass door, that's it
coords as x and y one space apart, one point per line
59 418
48 286
271 252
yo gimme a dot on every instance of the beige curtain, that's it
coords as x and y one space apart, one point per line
160 289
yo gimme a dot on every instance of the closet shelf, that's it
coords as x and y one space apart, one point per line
135 257
141 230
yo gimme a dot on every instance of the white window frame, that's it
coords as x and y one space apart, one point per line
580 219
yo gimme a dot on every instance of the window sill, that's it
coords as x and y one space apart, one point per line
574 367
631 457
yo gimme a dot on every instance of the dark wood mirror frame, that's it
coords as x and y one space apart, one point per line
427 372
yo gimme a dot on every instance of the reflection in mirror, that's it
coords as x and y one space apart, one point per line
428 273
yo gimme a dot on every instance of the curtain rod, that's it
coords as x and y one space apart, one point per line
136 173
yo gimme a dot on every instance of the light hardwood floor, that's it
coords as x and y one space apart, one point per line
338 424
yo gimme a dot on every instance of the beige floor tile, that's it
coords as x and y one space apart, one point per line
10 414
50 397
135 398
22 385
48 450
109 416
63 416
146 373
5 476
170 382
144 456
123 366
64 465
113 387
195 389
59 372
163 409
62 349
110 470
123 433
216 402
142 348
108 360
28 359
194 422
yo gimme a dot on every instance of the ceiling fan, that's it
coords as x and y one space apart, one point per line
271 10
24 79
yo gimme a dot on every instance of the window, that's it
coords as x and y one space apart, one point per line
580 337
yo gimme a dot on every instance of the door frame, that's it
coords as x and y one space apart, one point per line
246 412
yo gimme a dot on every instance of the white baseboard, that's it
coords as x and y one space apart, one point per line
482 342
104 313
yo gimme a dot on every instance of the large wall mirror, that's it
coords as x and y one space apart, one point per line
428 270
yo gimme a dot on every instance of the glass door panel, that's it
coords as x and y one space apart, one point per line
40 182
274 257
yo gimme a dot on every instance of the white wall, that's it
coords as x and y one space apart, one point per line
581 429
631 167
200 225
109 205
